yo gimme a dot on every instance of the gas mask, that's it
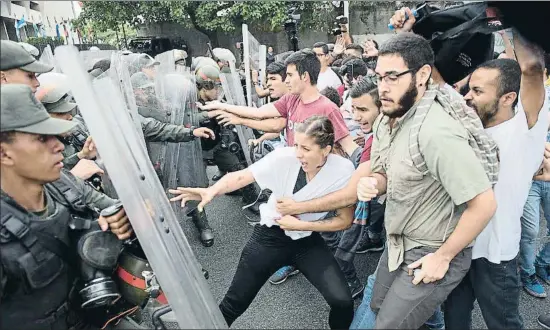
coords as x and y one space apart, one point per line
98 251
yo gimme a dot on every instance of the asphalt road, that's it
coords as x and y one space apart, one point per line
294 304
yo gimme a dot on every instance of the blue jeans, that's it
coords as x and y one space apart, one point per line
365 318
530 223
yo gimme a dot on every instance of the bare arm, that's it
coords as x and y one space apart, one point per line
265 111
340 199
260 91
531 62
342 221
477 215
233 181
271 125
348 145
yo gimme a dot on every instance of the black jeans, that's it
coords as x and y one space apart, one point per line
268 250
496 288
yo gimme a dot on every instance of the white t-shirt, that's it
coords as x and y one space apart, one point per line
521 153
328 79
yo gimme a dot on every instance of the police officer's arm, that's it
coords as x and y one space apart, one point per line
157 131
91 197
71 161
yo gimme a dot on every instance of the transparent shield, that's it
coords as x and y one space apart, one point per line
90 57
234 94
48 58
142 195
251 59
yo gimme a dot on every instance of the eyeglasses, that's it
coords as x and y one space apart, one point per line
390 78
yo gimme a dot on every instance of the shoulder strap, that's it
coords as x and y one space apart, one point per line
418 119
69 197
15 221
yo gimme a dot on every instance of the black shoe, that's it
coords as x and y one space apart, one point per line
205 273
201 222
370 245
356 288
544 321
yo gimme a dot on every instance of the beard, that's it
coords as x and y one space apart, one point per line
486 113
406 101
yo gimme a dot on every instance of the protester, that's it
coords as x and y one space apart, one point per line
296 241
327 77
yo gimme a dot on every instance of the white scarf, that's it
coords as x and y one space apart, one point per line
333 176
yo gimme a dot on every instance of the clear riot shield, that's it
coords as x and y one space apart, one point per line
262 72
251 59
142 195
90 57
48 58
234 94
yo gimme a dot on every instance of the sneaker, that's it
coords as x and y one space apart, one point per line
544 321
533 287
356 288
543 273
282 274
370 245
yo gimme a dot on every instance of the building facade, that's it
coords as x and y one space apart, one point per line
21 20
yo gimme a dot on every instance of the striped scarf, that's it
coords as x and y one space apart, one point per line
483 145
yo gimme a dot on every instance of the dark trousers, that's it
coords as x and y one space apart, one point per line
496 288
268 250
402 305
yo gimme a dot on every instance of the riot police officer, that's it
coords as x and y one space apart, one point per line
43 211
17 66
209 88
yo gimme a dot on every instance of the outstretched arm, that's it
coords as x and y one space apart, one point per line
233 181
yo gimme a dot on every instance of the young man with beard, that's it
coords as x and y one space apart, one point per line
510 100
439 197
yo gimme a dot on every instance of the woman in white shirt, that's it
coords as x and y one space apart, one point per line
306 171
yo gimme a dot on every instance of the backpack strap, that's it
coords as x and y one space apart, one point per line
414 135
65 194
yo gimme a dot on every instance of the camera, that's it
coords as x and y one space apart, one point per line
338 22
341 20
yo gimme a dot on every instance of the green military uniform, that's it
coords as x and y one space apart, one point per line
35 277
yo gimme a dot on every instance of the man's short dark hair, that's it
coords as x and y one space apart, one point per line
277 68
305 61
355 47
364 86
354 66
415 50
332 94
321 45
509 77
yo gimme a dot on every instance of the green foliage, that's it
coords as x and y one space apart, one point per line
206 16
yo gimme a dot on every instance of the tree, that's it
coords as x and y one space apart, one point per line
208 17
